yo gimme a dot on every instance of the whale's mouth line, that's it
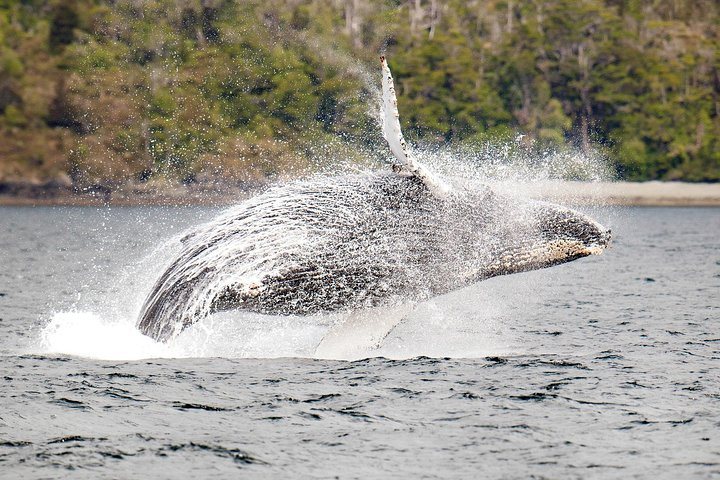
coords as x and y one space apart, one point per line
595 250
603 243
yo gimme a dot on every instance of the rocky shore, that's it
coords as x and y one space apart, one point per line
679 194
605 193
56 193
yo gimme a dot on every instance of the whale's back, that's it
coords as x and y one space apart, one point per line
318 245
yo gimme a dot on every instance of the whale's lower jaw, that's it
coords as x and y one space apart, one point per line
528 266
547 255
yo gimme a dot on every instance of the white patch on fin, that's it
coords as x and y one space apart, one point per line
393 135
362 332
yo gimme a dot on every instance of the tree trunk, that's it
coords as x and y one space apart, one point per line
586 116
416 15
433 18
585 132
510 16
352 22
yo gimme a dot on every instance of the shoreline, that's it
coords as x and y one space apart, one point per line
650 194
52 194
639 194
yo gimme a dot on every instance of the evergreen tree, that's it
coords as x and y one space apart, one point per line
64 21
175 86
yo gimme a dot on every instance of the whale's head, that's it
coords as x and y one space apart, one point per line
562 231
529 235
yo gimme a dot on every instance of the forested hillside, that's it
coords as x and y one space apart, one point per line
116 91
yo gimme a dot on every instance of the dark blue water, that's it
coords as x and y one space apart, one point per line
607 367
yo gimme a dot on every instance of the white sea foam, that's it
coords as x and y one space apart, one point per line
87 334
450 326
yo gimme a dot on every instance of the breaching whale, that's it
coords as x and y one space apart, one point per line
358 241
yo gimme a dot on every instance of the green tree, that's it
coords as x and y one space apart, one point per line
62 25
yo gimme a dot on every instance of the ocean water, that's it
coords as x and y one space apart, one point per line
607 367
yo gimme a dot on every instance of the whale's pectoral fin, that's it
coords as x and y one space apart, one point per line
393 135
361 332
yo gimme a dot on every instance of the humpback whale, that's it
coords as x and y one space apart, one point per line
353 242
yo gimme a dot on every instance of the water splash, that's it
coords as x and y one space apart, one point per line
87 334
445 327
104 327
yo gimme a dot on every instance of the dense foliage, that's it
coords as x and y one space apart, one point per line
107 91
